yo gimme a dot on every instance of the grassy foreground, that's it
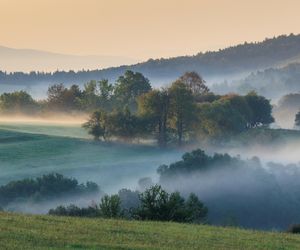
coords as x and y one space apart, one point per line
48 232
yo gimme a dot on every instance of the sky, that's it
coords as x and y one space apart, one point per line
142 29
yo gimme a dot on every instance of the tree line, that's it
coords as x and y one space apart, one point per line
228 61
264 191
94 95
130 109
154 204
47 187
151 203
183 112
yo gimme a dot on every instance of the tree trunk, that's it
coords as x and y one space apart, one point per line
180 132
160 135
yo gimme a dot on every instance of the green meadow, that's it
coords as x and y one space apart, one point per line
48 232
30 150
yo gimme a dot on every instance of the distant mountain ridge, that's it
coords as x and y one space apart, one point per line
226 64
231 61
37 60
272 82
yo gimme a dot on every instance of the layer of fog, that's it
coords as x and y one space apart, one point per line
258 195
114 167
285 120
37 91
43 207
285 152
53 124
45 119
253 197
285 110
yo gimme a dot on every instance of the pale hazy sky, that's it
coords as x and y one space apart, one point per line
142 28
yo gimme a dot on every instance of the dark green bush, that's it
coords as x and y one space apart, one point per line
44 188
294 229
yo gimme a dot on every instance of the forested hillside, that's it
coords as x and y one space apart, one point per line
272 82
225 63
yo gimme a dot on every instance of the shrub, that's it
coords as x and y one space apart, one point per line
43 188
72 210
157 204
110 206
294 229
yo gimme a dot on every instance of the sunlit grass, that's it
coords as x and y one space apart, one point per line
48 232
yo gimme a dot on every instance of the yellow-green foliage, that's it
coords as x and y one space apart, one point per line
49 232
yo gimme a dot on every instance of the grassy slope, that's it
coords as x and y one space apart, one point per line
68 130
47 232
23 154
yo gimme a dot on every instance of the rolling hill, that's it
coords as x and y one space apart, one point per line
49 232
229 63
272 82
35 60
31 150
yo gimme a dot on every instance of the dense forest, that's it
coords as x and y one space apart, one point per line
244 58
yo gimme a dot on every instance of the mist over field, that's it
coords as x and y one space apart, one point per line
149 124
49 148
32 148
137 131
251 197
120 132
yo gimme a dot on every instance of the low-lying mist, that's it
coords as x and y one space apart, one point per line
53 124
249 193
237 191
52 118
43 207
29 149
286 153
246 193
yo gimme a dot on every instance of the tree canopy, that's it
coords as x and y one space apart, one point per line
130 109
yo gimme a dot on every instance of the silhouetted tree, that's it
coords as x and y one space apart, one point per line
157 204
105 94
18 102
125 125
110 206
97 125
194 82
196 211
90 100
129 87
65 99
154 107
182 109
261 110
